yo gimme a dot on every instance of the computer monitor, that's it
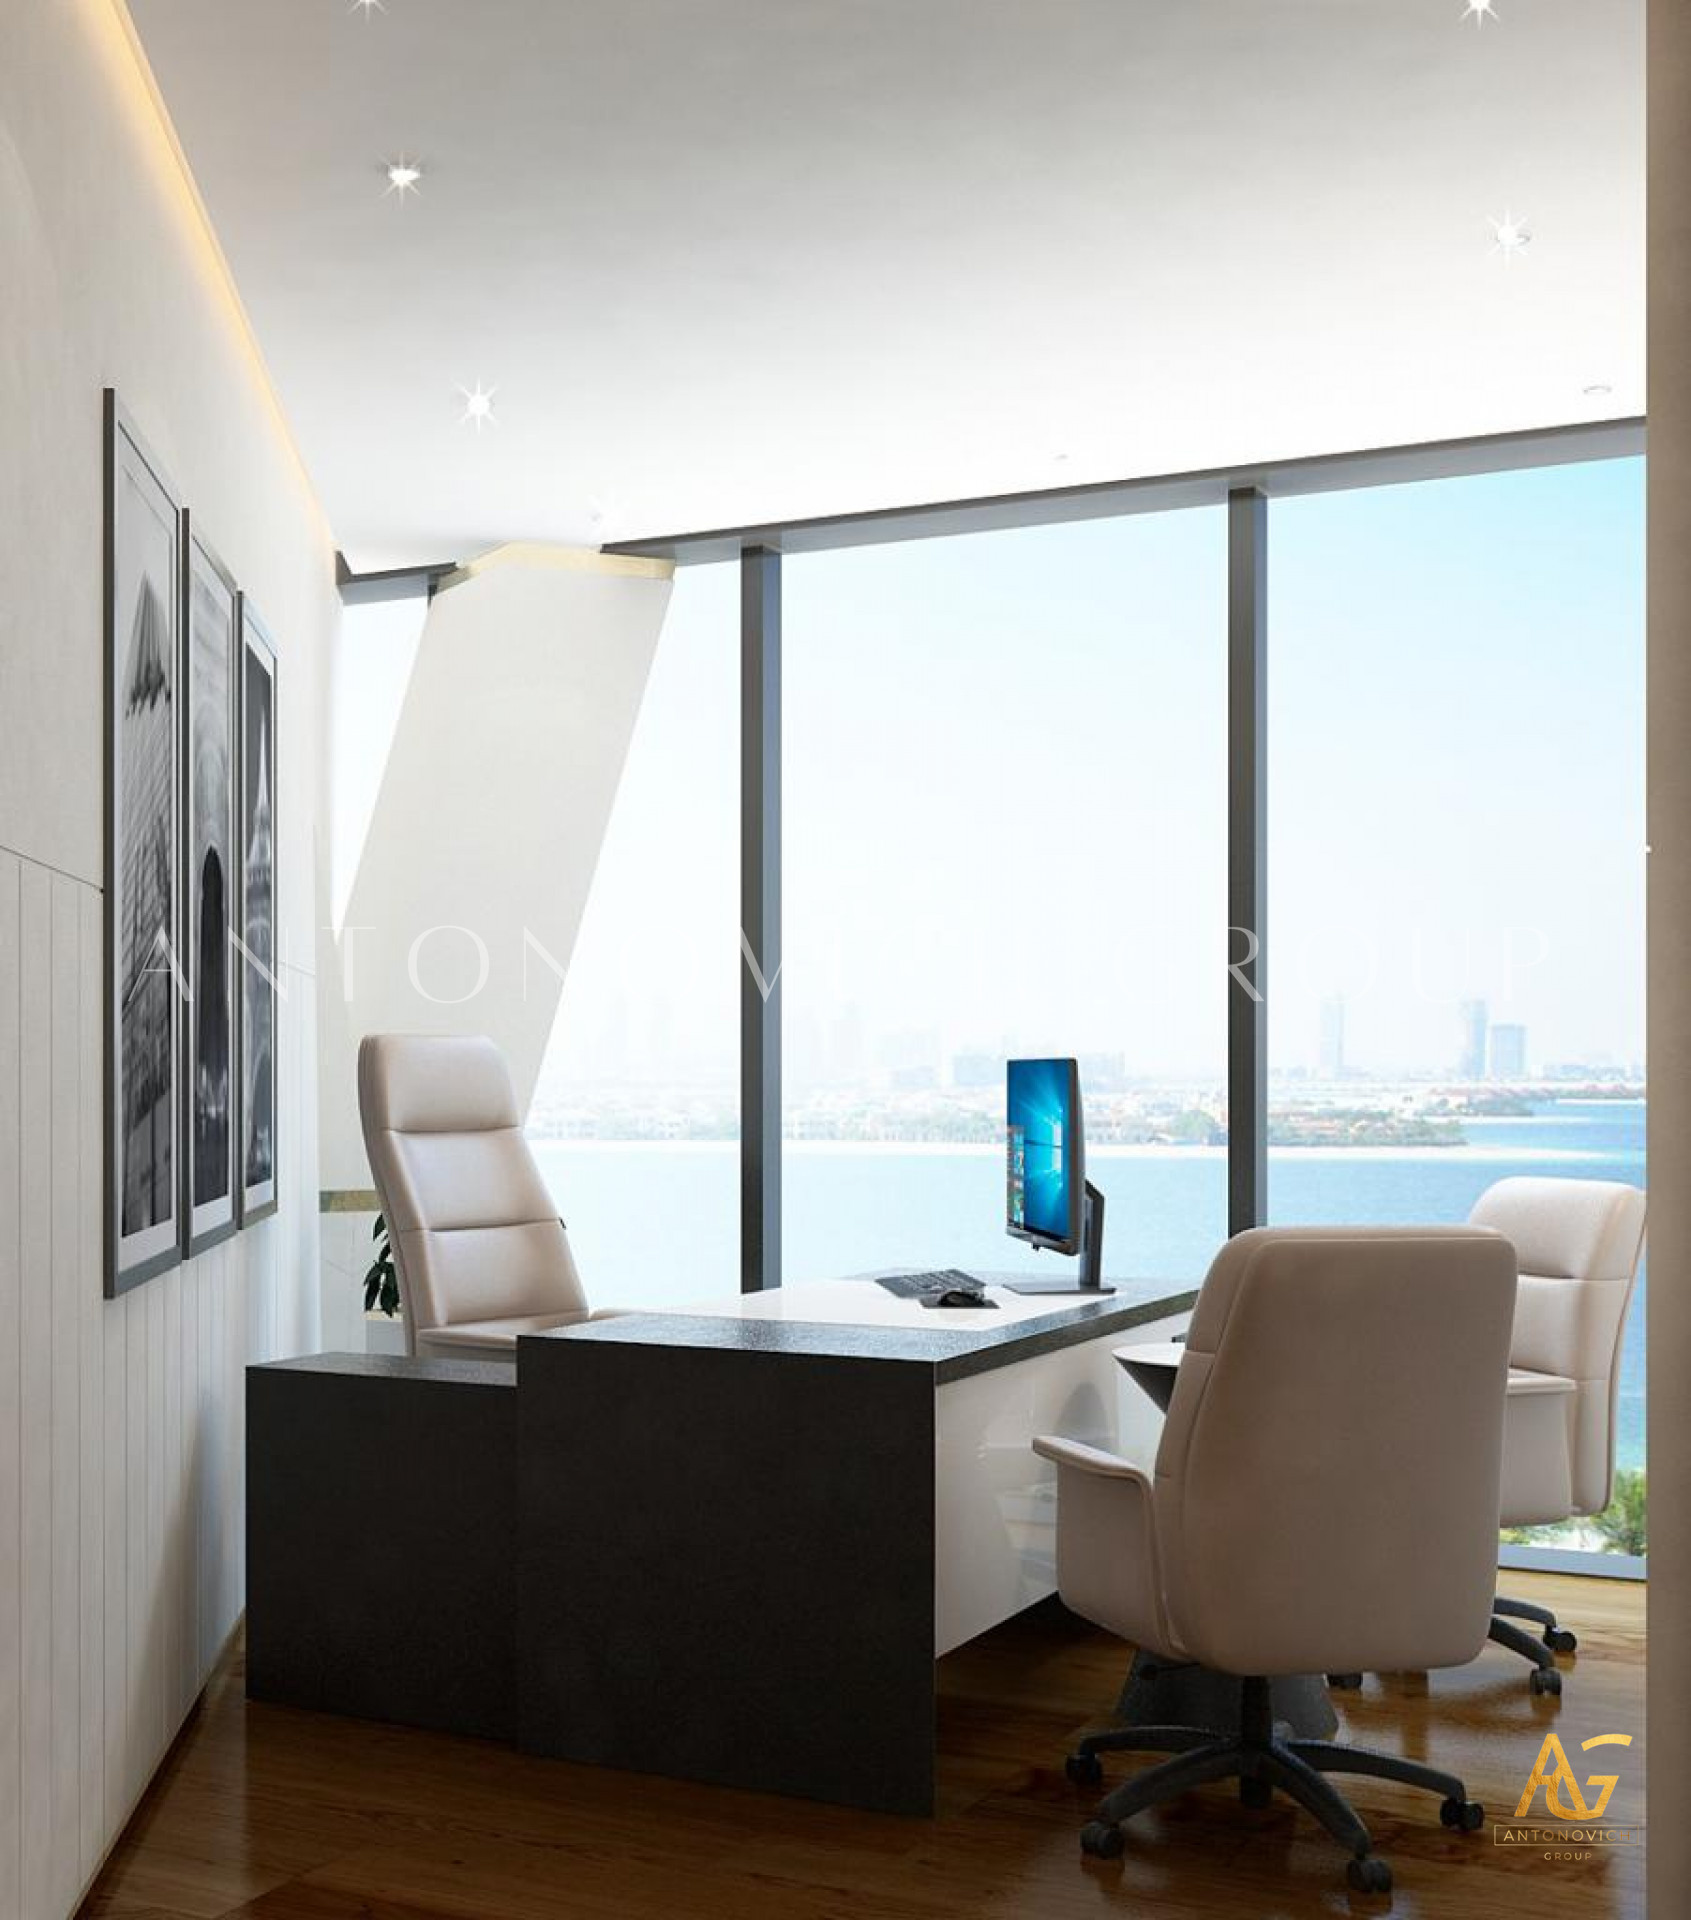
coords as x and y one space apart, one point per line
1048 1200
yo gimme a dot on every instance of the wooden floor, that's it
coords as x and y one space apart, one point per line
278 1815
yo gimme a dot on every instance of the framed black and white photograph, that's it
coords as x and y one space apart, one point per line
143 903
211 616
256 1143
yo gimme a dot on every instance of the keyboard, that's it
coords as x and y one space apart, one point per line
912 1286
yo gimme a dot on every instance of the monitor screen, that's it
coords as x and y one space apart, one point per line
1044 1170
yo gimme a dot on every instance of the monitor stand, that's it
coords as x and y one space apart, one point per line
1091 1282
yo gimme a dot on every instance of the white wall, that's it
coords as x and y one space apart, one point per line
120 1423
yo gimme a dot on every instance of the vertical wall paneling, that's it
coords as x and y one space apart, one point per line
35 1340
170 1573
122 1511
132 1490
65 1444
11 1381
91 1347
232 1532
114 1628
207 1444
151 1300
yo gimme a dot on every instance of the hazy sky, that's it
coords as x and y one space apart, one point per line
1005 791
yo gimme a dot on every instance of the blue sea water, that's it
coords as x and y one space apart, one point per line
658 1223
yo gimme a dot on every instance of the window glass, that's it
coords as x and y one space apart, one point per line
1004 834
1456 913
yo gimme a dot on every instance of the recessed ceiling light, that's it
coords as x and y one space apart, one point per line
1509 236
1480 11
1597 388
403 177
367 7
478 407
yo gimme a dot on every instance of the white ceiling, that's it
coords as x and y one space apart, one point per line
725 261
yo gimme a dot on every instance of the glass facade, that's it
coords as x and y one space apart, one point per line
1004 834
1456 857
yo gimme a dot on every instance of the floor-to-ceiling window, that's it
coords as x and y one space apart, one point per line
1004 833
635 1119
1456 857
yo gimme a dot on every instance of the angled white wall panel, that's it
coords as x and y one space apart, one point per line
492 810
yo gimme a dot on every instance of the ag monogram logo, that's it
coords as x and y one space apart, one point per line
1563 1798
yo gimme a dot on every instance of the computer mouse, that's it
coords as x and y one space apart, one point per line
962 1297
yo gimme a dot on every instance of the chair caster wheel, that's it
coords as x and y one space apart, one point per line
1546 1680
1346 1682
1102 1842
1560 1640
1467 1816
1255 1793
1369 1874
1084 1769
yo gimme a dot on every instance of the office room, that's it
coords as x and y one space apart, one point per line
843 865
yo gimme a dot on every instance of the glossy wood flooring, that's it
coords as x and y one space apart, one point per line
277 1815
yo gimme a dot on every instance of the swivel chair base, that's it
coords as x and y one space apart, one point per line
1555 1638
1260 1762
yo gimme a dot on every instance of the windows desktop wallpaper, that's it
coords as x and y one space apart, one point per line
1039 1147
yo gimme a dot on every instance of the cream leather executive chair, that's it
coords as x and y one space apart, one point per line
481 1253
1578 1244
1325 1496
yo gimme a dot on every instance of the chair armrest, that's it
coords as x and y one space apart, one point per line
1077 1454
1523 1380
1537 1475
1151 1353
1108 1566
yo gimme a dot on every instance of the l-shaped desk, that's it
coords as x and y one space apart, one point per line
724 1545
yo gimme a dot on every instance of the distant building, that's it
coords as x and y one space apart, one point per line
1102 1071
977 1069
1508 1053
1333 1037
918 1078
844 1063
1471 1062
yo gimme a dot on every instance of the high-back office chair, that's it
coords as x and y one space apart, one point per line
1578 1244
1324 1497
481 1253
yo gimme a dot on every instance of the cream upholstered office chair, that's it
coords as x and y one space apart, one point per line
481 1253
1325 1496
1578 1244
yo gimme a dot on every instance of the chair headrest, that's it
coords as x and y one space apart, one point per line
1567 1229
1272 1252
434 1083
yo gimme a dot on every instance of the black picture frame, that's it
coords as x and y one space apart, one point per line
142 652
259 1004
210 1113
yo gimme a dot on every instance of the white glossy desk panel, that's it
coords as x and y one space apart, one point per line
994 1499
